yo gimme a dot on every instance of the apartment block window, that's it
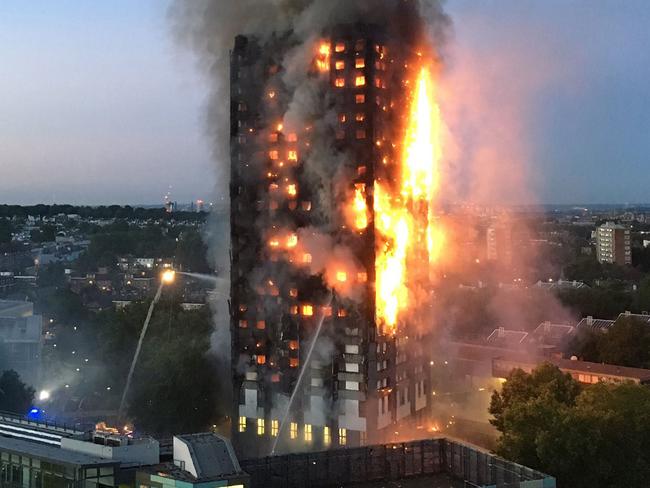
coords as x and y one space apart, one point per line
339 47
327 436
360 80
359 63
293 430
343 437
340 65
360 98
260 426
242 424
275 428
339 82
308 434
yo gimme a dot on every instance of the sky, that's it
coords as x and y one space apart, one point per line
98 105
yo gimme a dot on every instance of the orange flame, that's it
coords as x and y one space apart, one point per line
404 221
359 207
323 58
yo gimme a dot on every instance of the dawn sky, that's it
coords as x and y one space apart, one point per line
98 105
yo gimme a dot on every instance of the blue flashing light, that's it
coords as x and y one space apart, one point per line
35 413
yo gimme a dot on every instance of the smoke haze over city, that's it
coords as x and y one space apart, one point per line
576 113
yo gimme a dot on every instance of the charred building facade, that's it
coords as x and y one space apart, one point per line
305 159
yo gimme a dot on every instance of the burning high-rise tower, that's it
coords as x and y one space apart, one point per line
333 181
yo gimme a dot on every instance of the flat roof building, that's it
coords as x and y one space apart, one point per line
21 340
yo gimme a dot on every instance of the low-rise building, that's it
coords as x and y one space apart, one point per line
21 339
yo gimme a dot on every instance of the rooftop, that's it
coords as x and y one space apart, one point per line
52 453
212 456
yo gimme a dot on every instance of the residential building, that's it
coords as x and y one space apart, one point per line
613 244
365 380
21 340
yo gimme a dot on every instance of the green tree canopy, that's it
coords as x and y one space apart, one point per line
626 343
15 396
595 437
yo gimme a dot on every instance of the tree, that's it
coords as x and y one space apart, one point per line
592 437
191 253
626 343
174 391
6 231
15 396
174 387
527 405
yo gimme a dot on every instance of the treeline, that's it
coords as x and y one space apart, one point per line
99 212
183 243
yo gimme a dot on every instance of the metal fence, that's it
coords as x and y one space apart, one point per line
392 462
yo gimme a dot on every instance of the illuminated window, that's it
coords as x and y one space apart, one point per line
360 80
340 65
360 98
293 345
308 437
342 118
339 82
341 276
275 428
260 426
343 437
272 94
242 424
294 362
359 63
293 292
261 359
364 438
339 47
361 170
378 82
292 205
306 206
362 277
293 310
293 430
273 137
292 138
327 311
342 312
292 156
327 436
243 324
274 155
306 258
360 117
307 310
261 324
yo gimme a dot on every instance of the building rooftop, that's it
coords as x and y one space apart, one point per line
592 323
212 456
643 375
52 453
505 337
15 308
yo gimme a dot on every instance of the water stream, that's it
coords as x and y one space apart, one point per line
299 382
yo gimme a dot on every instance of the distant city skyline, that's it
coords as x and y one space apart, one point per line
99 106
